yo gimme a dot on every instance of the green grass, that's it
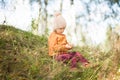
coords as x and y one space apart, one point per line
24 56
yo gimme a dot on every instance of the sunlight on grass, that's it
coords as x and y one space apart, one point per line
24 56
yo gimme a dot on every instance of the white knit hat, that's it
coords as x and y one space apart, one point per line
59 21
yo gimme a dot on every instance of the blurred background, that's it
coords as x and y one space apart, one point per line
93 27
88 21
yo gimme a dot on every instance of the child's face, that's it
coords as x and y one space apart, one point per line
60 30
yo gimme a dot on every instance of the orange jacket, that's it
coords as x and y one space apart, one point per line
56 43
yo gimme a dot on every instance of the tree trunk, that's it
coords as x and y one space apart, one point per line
46 14
61 5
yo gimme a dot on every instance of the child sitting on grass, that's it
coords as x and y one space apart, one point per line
59 47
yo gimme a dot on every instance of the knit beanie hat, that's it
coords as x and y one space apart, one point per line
59 21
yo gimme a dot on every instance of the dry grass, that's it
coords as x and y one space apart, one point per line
24 56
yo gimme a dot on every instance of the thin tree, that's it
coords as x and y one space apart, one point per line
36 22
46 13
61 5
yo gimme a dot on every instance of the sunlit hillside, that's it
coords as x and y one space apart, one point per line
24 56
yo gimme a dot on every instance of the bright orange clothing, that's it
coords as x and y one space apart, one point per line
57 43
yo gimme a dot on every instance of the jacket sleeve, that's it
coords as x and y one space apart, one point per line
59 47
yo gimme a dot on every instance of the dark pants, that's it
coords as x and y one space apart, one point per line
72 57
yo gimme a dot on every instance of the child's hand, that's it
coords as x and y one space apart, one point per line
71 45
68 46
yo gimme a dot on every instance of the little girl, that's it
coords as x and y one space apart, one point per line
58 45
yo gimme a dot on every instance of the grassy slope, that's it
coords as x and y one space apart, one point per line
24 56
21 54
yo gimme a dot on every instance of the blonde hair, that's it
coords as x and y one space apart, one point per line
59 21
